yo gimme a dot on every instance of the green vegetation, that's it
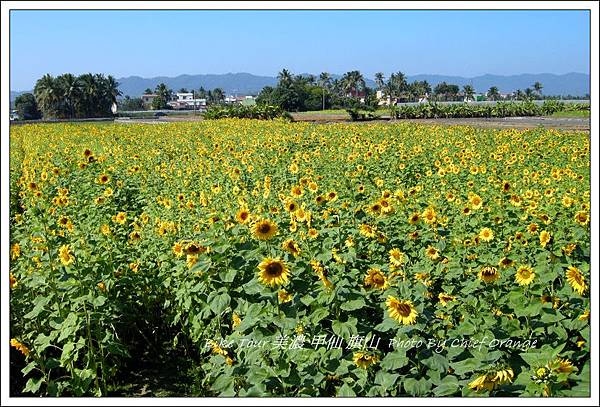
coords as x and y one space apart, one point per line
500 109
263 112
68 96
572 113
27 107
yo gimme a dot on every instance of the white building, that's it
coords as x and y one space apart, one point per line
187 101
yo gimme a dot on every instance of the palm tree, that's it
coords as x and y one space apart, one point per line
353 82
379 80
493 93
89 94
71 92
324 82
218 95
469 92
529 93
538 88
285 78
519 94
112 88
46 94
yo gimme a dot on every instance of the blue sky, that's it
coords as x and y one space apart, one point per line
170 43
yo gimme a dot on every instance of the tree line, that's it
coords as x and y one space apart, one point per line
308 92
68 96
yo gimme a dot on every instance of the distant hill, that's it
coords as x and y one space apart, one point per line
576 84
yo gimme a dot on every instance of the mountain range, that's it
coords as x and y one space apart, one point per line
577 84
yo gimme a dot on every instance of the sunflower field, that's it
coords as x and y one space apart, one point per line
295 259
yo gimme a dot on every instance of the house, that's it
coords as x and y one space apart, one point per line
187 101
147 99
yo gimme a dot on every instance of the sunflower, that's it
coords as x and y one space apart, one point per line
273 272
364 360
65 256
103 179
291 206
386 206
569 248
582 218
585 315
191 260
563 366
242 216
291 246
283 296
313 233
445 298
297 191
367 230
414 218
375 209
524 275
235 320
194 249
13 281
475 201
486 234
178 249
265 229
429 216
376 279
505 262
396 257
432 253
489 274
120 218
19 346
576 280
402 311
533 228
545 237
15 251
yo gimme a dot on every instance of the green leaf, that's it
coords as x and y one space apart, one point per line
30 366
345 329
33 384
65 357
386 380
223 385
41 342
218 302
318 315
228 276
465 366
98 301
353 304
416 387
346 391
448 386
39 304
394 360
